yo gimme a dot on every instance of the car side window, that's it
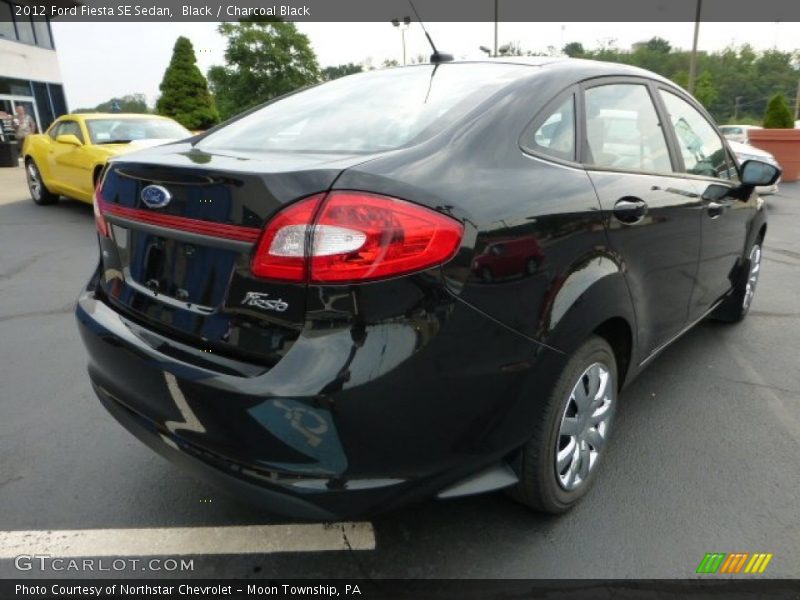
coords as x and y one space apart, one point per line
555 136
622 129
54 129
701 146
70 128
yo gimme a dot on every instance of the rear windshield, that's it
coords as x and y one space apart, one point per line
116 131
367 112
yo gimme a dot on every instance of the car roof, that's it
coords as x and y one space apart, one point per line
99 115
578 68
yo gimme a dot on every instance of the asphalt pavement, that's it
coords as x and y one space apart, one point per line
704 456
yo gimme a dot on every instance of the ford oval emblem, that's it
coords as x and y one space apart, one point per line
156 196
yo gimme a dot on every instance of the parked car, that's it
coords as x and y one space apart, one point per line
508 258
745 152
737 133
68 158
288 304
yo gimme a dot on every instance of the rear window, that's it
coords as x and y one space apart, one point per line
367 112
115 131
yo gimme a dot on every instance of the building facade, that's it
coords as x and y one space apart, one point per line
29 71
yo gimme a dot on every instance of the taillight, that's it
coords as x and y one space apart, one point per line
349 236
99 219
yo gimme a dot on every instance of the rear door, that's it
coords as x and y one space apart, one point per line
651 210
725 218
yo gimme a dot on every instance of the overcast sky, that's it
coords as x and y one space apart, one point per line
103 60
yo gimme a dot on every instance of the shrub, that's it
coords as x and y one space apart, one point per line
778 115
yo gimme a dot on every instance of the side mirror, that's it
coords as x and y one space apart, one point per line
69 138
756 172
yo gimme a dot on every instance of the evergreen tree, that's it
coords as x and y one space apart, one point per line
184 90
778 115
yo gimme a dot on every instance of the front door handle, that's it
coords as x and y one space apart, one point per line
630 210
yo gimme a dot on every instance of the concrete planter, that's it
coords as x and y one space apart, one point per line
784 145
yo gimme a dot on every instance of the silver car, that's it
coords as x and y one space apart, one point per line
745 152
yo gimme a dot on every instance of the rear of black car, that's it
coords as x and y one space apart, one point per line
251 320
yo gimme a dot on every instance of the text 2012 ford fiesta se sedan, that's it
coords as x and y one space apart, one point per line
421 281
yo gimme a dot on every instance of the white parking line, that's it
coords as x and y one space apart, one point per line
255 539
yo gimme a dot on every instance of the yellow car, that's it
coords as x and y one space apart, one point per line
68 158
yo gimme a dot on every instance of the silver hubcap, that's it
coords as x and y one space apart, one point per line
33 182
585 425
752 279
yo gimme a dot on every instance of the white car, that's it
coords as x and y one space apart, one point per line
737 133
745 152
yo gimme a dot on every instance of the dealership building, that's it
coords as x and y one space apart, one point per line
29 71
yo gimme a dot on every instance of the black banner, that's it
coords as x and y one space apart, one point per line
461 589
743 11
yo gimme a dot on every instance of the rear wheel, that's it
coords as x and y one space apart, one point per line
736 306
559 463
39 192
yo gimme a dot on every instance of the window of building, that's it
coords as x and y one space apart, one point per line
42 30
7 30
556 135
622 129
25 29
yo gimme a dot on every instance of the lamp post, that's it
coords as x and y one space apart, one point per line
495 25
402 25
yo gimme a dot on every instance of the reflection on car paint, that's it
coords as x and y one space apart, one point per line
308 430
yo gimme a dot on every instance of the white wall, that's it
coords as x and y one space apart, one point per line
22 61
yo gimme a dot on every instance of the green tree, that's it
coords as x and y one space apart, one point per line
130 103
265 59
704 89
778 115
574 50
184 90
658 44
334 72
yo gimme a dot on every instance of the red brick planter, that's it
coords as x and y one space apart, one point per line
784 145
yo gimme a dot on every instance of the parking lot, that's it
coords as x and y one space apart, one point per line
704 456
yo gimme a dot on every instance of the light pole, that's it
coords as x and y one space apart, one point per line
693 57
402 25
495 25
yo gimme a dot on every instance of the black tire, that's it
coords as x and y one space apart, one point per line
736 306
540 486
38 190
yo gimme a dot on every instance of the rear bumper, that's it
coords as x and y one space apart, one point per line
338 428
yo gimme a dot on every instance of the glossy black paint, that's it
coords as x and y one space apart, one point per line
362 397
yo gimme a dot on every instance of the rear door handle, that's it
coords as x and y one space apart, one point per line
715 209
630 209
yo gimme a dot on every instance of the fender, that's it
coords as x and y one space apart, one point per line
592 293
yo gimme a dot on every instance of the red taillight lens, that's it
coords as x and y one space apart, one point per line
355 237
99 219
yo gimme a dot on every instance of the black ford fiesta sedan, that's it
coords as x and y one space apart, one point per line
423 281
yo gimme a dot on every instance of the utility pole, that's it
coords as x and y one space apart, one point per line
495 25
736 108
693 57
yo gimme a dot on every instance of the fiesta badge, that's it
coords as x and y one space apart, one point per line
156 196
